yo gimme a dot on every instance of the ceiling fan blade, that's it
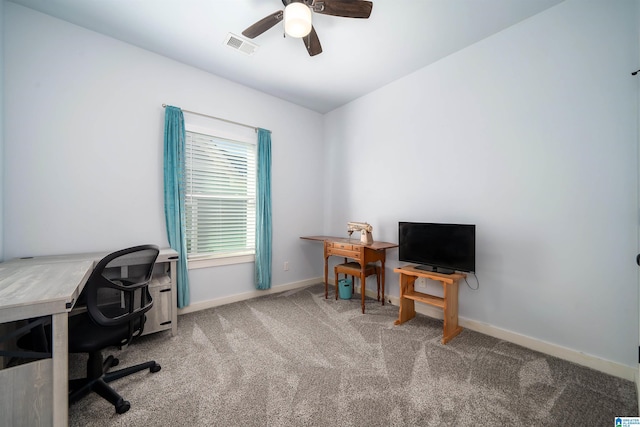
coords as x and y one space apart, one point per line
312 43
344 8
263 25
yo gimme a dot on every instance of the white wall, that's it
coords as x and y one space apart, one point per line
1 127
83 149
531 135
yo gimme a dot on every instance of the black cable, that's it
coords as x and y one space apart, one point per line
477 280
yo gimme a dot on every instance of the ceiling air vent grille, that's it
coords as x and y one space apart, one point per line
240 44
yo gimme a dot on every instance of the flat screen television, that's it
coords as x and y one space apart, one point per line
444 248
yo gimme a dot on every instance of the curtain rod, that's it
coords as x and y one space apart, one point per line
216 118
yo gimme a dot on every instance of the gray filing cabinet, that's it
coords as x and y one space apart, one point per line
164 313
159 317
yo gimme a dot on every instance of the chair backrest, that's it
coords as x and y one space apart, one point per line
117 292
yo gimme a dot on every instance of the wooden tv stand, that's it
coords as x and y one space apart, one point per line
449 303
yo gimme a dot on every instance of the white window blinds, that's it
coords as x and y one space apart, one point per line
220 196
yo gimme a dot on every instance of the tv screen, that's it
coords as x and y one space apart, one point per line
444 248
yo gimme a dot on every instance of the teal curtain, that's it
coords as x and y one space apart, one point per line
263 212
174 141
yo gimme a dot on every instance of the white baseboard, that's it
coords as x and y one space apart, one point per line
606 366
203 305
593 362
637 379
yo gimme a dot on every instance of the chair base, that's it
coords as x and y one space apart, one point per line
98 378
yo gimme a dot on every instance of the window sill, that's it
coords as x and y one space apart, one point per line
216 262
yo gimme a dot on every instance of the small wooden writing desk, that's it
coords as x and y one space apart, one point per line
355 250
449 303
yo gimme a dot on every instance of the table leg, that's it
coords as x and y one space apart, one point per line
60 356
326 271
382 278
450 328
407 309
363 282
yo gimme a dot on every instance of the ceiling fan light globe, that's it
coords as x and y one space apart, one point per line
297 20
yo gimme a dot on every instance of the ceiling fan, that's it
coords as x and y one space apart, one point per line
297 18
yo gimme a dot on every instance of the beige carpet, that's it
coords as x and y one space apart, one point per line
296 359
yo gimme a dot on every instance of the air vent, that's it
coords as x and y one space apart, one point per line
237 43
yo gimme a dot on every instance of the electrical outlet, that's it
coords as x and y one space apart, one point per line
421 283
286 266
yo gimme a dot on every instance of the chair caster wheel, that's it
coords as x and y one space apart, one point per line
122 406
155 368
115 362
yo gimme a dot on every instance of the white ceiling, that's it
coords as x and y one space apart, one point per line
359 55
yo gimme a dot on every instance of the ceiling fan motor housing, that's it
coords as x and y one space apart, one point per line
297 19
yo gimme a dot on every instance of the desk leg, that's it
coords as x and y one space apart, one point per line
382 278
363 283
60 356
326 272
450 328
407 309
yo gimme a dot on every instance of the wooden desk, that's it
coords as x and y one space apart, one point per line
37 393
355 250
449 303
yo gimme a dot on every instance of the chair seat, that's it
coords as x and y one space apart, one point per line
88 336
353 269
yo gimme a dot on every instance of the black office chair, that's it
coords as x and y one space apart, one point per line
117 297
116 307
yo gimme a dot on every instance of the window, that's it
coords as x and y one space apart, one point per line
220 196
